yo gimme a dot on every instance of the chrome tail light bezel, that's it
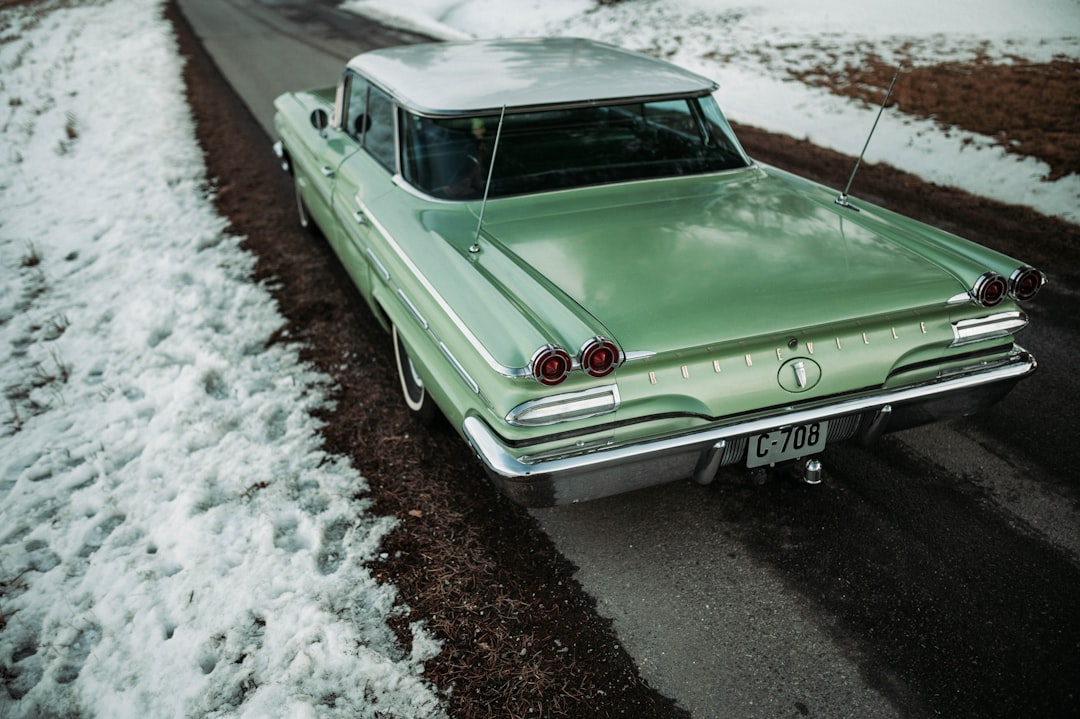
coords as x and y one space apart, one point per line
990 289
1025 282
544 372
591 357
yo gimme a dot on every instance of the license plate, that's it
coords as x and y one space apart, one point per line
786 443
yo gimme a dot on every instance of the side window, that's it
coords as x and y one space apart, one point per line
355 111
369 118
673 115
379 137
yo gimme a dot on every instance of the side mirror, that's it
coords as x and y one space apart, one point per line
361 124
319 119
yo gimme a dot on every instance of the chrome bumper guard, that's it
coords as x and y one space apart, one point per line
612 469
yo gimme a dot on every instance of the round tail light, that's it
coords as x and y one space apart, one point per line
1026 282
990 289
550 365
599 357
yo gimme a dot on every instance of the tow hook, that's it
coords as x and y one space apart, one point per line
812 472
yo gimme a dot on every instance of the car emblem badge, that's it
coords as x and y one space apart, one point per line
799 374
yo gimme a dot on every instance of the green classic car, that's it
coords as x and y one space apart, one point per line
583 271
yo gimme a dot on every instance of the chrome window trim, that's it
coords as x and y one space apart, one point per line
404 184
553 107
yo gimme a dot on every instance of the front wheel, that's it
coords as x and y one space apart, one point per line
412 385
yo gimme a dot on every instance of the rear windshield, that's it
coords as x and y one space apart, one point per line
449 158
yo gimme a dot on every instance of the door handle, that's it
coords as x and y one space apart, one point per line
327 171
360 217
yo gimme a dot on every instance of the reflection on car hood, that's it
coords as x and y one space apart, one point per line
679 263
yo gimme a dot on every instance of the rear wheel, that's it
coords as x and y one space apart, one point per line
412 385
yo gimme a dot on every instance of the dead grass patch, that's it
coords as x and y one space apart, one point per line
1031 109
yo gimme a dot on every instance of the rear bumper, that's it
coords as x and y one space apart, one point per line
622 468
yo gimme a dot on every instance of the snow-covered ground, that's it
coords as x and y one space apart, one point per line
749 47
173 541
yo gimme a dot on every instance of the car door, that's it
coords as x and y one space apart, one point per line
317 159
364 177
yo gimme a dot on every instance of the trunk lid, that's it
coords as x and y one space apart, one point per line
671 265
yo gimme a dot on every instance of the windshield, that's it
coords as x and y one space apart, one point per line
557 149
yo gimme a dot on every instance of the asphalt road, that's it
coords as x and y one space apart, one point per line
936 573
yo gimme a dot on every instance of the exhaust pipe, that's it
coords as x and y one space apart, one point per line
709 463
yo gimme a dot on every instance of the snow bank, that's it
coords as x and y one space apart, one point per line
173 541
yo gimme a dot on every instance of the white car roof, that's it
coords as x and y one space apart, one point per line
484 75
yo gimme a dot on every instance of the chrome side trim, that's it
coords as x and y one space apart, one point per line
503 463
564 407
993 326
379 266
457 366
511 372
412 309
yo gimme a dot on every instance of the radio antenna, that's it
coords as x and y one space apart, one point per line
842 200
487 185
